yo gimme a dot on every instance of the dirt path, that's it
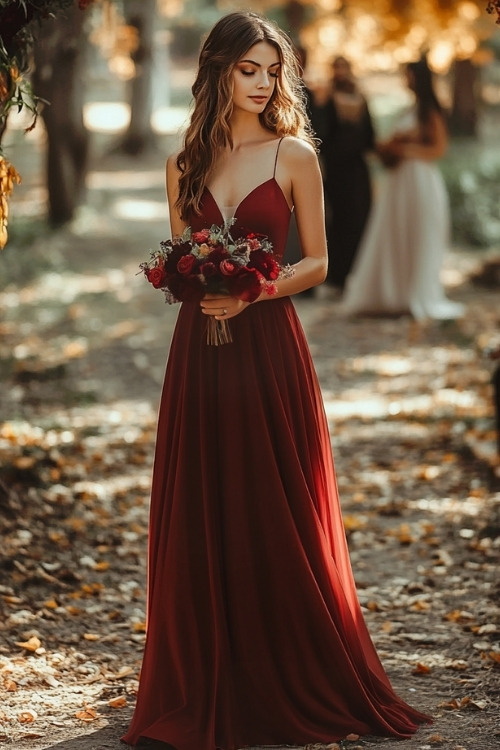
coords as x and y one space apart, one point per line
82 351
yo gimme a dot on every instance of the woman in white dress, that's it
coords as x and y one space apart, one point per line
400 256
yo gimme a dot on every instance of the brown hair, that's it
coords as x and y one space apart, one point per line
209 129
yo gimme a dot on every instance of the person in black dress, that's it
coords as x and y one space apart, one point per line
345 128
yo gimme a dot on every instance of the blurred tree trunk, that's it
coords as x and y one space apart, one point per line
58 78
463 120
141 15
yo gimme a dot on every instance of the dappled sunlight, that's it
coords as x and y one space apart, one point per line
418 385
139 210
114 117
127 179
65 287
106 117
454 507
169 120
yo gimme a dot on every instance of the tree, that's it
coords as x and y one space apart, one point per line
140 16
57 79
18 27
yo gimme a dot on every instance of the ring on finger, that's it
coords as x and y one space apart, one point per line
224 311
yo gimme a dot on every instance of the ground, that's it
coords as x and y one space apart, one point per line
82 351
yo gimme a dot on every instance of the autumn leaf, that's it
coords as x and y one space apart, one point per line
421 669
88 714
27 716
119 702
459 615
101 566
33 644
494 656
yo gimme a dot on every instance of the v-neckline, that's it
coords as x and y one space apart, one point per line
261 184
238 205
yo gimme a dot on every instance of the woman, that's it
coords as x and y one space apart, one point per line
255 635
401 253
345 128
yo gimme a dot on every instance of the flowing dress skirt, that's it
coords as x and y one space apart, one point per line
255 634
398 264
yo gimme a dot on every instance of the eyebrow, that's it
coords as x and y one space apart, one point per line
258 65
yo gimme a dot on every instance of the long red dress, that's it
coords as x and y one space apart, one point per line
255 635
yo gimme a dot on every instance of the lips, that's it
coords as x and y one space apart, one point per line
259 99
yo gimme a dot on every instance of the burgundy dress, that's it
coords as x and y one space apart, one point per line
255 635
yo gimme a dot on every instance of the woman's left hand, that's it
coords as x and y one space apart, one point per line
222 307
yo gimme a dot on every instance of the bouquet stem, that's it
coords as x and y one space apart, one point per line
218 332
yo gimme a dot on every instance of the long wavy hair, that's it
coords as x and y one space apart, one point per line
209 129
423 88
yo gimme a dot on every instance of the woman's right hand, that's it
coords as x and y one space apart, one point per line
222 307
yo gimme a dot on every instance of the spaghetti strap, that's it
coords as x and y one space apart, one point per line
276 159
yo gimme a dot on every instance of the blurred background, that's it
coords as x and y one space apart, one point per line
118 73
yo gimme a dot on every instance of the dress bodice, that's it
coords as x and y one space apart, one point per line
264 210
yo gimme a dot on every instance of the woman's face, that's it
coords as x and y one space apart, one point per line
342 70
254 78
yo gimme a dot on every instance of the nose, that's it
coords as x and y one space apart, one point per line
264 80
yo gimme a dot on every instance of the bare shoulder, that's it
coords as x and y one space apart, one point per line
297 154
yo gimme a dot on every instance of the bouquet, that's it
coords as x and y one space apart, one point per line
212 262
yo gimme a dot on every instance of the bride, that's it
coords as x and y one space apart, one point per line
400 256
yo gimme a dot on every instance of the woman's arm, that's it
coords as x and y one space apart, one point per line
177 225
299 175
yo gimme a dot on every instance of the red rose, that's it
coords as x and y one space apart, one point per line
200 237
157 276
265 264
186 288
174 254
228 268
185 264
245 285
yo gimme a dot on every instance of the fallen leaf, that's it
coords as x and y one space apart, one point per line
88 714
26 717
458 664
494 656
421 669
459 615
33 644
119 702
455 704
101 566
